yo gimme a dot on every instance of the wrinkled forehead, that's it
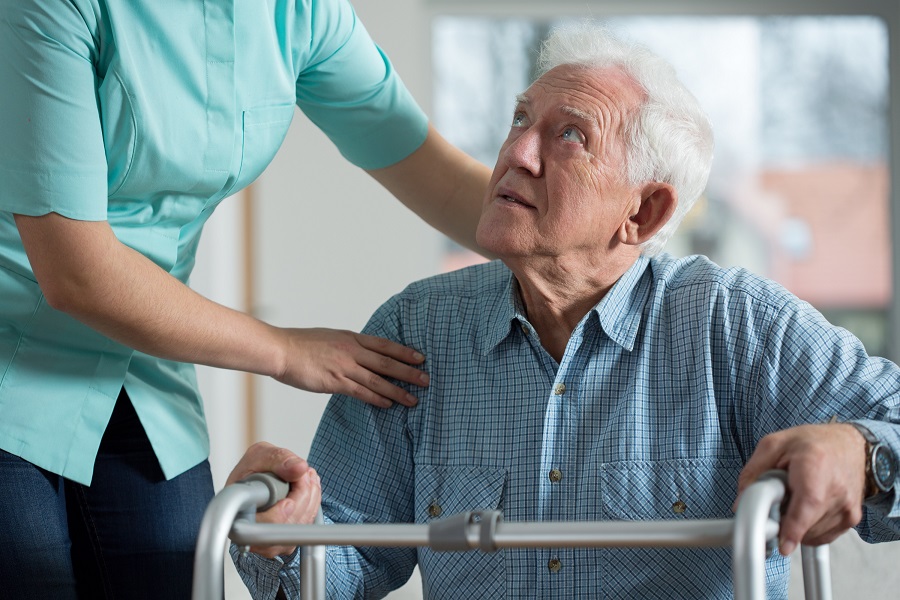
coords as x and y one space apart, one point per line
596 90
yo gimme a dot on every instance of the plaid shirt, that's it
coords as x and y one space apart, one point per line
663 392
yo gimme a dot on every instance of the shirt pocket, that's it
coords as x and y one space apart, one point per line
443 491
669 489
264 130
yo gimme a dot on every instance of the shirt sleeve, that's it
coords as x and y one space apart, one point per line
262 575
350 90
364 458
813 371
52 158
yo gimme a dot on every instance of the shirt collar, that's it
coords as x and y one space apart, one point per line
500 315
619 312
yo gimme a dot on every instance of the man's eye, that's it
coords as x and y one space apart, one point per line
571 134
518 119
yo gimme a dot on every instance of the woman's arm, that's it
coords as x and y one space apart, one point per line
441 184
84 271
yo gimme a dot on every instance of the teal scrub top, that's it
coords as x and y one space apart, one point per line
147 113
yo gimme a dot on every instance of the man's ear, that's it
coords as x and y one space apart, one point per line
657 205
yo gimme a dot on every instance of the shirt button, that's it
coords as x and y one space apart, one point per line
679 507
525 329
559 389
554 565
434 510
555 475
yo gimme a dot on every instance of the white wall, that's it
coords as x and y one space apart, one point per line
331 245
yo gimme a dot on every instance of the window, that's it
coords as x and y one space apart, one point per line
800 188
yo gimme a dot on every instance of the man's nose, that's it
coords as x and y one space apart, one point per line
525 152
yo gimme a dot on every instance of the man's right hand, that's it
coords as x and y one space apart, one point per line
303 500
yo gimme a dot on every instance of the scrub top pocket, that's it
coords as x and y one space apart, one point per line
264 130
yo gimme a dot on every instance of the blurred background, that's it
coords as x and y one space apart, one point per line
800 96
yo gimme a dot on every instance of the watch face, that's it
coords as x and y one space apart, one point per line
884 467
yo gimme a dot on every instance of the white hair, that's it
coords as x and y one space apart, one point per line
670 138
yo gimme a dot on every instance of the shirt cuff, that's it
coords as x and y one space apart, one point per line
889 434
261 575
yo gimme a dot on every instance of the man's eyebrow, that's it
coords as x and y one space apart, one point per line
570 110
580 114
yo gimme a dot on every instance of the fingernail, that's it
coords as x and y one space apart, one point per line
424 378
287 507
786 547
411 400
292 462
418 356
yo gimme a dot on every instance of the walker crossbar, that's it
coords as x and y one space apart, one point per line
754 528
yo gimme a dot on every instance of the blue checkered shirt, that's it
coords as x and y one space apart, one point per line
663 392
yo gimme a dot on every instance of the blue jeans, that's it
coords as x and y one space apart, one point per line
130 534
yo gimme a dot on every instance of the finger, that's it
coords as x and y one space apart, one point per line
842 515
290 469
825 531
280 513
301 507
391 349
370 387
375 389
807 505
768 455
308 504
301 504
385 365
263 457
380 388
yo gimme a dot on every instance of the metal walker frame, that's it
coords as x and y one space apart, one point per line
752 534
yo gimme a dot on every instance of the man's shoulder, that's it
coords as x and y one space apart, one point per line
476 281
698 275
463 299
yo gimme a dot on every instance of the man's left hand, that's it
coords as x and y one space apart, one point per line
826 480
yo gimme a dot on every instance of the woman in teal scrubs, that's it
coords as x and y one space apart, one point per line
124 123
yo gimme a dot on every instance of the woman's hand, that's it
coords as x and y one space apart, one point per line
343 362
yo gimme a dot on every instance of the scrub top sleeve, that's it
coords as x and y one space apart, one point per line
52 158
349 89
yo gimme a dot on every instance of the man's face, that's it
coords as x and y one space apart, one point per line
558 188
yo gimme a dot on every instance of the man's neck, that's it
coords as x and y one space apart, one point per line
557 296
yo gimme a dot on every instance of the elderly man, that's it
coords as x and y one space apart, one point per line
587 376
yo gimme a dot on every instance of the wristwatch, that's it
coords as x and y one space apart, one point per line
881 464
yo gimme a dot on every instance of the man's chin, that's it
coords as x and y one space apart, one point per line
494 245
498 238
